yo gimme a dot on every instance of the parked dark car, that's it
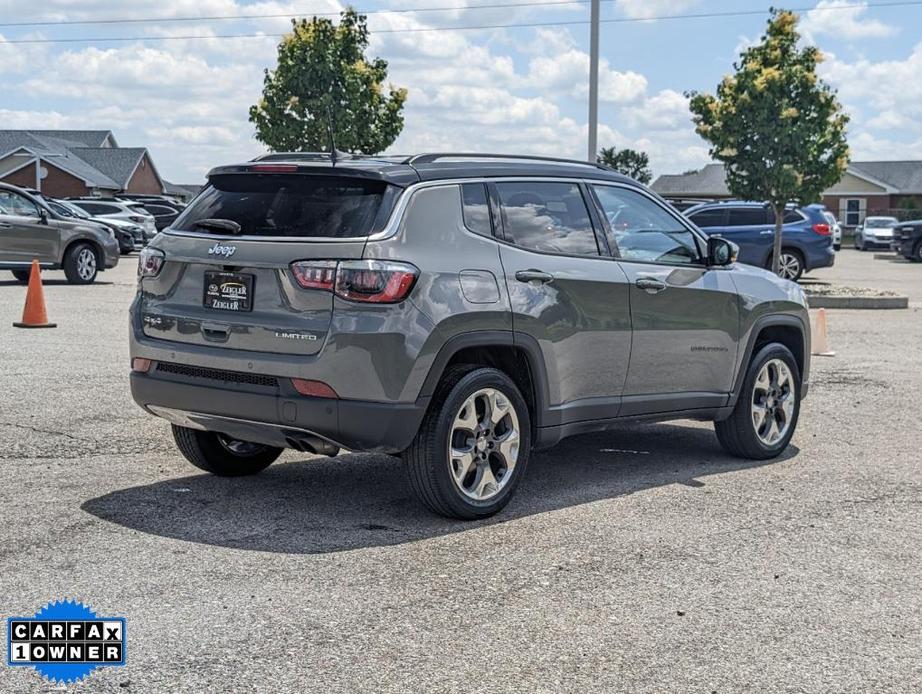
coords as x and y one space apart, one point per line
807 237
164 210
129 236
907 240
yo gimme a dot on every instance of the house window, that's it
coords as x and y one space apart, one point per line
855 209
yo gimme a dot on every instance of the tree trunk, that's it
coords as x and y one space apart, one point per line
776 249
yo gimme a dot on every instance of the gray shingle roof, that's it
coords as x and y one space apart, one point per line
118 163
80 138
904 176
79 152
707 182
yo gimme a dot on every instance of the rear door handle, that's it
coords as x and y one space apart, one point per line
650 285
4 225
534 276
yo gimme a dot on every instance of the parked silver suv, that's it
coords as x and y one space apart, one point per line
30 230
458 310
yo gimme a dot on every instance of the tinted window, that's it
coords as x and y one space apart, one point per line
747 216
97 208
547 217
476 208
642 230
17 205
289 205
715 217
790 217
159 210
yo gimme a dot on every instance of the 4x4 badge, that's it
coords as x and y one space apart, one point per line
226 251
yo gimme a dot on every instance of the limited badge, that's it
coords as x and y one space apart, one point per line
65 641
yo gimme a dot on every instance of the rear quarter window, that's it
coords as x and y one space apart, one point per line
709 218
547 217
293 205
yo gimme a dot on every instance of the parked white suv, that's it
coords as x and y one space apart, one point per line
119 209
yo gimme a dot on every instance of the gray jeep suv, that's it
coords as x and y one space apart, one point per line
31 230
457 310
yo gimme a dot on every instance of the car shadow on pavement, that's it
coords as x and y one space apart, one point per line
52 283
363 500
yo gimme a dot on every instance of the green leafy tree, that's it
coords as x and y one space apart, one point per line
322 73
778 129
627 161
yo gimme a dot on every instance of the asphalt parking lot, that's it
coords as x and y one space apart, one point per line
640 560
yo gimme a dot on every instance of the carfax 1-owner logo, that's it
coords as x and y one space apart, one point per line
65 641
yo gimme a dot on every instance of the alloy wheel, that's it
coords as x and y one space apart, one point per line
773 398
483 445
789 266
86 264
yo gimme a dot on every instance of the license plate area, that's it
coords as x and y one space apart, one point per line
228 291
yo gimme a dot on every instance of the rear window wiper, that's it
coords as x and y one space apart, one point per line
228 226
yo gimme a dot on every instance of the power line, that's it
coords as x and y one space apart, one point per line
481 27
284 15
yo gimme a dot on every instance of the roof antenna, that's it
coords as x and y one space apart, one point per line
335 154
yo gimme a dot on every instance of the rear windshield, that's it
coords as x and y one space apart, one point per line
290 205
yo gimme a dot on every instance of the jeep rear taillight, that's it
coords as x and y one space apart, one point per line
364 281
315 274
822 229
374 281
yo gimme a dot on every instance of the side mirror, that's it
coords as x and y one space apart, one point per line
43 215
721 251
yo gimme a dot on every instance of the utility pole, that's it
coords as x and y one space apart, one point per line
594 81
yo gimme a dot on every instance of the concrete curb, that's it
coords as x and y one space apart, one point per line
890 256
863 302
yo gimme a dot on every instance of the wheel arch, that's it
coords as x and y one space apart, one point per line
518 356
788 330
97 250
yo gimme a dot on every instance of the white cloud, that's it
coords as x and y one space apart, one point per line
569 71
646 9
667 110
843 19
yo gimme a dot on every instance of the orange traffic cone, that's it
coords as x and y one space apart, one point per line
33 314
821 347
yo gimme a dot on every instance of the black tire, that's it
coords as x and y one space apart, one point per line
427 462
212 453
74 268
860 246
917 253
22 276
737 434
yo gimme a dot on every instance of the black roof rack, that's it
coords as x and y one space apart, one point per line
325 156
432 157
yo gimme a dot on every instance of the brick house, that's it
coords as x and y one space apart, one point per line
868 188
63 163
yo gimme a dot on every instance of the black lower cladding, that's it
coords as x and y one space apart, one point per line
354 424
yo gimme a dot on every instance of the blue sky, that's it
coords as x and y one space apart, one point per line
512 90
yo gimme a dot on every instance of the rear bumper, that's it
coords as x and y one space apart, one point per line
277 416
824 258
905 247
